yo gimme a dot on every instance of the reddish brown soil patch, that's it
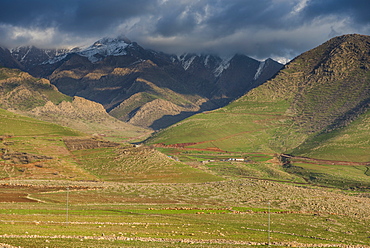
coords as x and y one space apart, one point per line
178 145
184 146
20 192
14 197
322 161
74 144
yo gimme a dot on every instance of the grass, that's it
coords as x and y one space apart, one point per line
126 163
347 143
267 166
96 218
342 176
237 128
13 124
130 164
138 197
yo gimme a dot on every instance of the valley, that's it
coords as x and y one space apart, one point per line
183 151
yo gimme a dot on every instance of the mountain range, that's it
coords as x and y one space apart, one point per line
143 87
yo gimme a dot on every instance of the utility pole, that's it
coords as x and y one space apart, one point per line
269 224
67 218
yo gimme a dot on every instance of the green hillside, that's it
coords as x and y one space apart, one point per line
239 127
316 107
350 143
320 91
16 125
33 149
65 189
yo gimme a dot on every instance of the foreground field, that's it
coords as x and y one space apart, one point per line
62 188
231 213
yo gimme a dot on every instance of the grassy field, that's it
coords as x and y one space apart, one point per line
219 214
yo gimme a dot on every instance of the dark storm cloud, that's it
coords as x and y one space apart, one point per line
71 15
356 10
221 17
263 28
240 14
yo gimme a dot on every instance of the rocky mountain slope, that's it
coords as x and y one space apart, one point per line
7 60
327 87
117 72
318 105
24 94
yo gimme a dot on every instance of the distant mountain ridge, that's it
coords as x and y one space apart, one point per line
114 71
96 52
7 60
30 56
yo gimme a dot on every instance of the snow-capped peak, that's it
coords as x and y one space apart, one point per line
99 50
105 47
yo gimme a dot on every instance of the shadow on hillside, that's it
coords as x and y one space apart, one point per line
168 120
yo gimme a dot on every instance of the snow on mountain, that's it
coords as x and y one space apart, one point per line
55 59
223 66
30 55
186 60
212 62
260 69
99 50
206 60
105 47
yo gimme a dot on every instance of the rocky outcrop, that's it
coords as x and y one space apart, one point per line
23 157
26 95
74 144
87 116
78 108
153 111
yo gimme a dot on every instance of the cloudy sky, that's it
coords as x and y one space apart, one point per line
280 29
